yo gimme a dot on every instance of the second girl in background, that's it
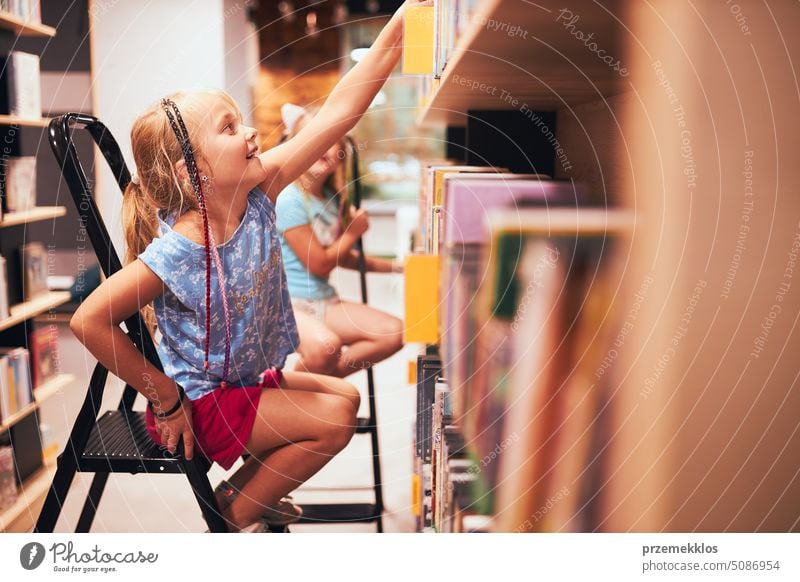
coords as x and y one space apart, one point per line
318 229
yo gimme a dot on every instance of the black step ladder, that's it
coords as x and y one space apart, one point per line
117 441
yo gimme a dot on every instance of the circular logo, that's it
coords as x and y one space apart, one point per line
31 555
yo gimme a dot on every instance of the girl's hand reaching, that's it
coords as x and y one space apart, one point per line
176 425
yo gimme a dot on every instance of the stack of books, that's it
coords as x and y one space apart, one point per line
20 85
18 184
16 388
8 478
27 10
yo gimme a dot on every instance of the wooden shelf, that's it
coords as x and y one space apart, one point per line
40 394
33 215
22 311
542 65
52 387
15 24
24 121
21 516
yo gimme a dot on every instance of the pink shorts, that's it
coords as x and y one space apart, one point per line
223 419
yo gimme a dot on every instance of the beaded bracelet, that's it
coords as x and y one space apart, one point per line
174 409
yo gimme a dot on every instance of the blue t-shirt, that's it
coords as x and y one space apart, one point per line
296 208
263 329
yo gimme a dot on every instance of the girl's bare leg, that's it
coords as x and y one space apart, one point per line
371 335
297 431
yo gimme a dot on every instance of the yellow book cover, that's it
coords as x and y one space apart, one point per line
418 41
422 299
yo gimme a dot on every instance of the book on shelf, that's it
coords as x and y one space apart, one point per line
451 18
4 304
8 479
33 259
432 199
16 391
428 372
548 292
44 353
418 31
26 10
18 184
421 323
467 200
20 85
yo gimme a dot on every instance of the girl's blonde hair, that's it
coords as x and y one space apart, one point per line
160 187
337 182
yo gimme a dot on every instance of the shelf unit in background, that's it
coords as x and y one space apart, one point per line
21 27
23 121
22 515
16 329
32 215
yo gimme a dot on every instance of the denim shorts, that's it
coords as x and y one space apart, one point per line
315 307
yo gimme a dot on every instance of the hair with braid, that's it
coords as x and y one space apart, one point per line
173 130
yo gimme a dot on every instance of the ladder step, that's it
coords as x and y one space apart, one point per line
364 425
339 513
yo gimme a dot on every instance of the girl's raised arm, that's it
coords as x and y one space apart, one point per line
341 111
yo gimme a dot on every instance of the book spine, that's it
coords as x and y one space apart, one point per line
24 388
14 380
4 307
5 402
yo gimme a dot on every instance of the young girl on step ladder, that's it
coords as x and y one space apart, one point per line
203 249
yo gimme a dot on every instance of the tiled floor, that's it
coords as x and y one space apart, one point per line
142 503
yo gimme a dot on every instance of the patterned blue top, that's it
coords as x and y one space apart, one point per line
263 329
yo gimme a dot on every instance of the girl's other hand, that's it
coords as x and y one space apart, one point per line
359 222
178 425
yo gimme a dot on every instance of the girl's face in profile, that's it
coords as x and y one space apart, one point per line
328 163
231 151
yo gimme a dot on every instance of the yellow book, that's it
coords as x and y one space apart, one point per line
418 40
422 299
416 494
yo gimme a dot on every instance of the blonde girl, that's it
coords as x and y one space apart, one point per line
203 250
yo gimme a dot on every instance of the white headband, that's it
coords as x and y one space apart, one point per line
290 115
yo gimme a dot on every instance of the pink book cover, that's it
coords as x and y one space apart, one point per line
467 202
